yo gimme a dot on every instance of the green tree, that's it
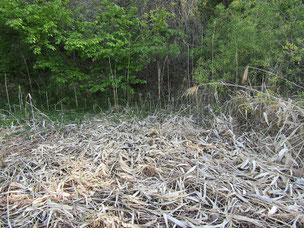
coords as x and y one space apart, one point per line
253 33
91 47
30 30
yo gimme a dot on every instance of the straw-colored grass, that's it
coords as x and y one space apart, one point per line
161 171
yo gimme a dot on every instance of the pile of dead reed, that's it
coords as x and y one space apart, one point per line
161 171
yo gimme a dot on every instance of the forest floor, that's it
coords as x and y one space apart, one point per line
117 170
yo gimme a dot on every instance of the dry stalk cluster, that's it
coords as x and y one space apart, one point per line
278 121
161 171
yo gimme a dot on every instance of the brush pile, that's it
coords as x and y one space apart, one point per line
116 170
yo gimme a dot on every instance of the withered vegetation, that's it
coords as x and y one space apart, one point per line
116 170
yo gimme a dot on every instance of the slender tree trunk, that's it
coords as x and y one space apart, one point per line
169 87
7 95
188 66
128 83
236 62
114 86
28 74
212 52
159 79
75 94
160 75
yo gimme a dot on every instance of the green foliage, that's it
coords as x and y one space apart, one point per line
38 24
73 49
75 45
256 33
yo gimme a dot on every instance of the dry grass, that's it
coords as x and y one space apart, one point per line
279 121
191 91
245 75
161 171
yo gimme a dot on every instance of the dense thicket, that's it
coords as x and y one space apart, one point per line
79 50
264 35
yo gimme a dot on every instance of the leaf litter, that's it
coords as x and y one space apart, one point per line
114 170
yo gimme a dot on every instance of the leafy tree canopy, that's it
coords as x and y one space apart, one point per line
261 34
91 46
